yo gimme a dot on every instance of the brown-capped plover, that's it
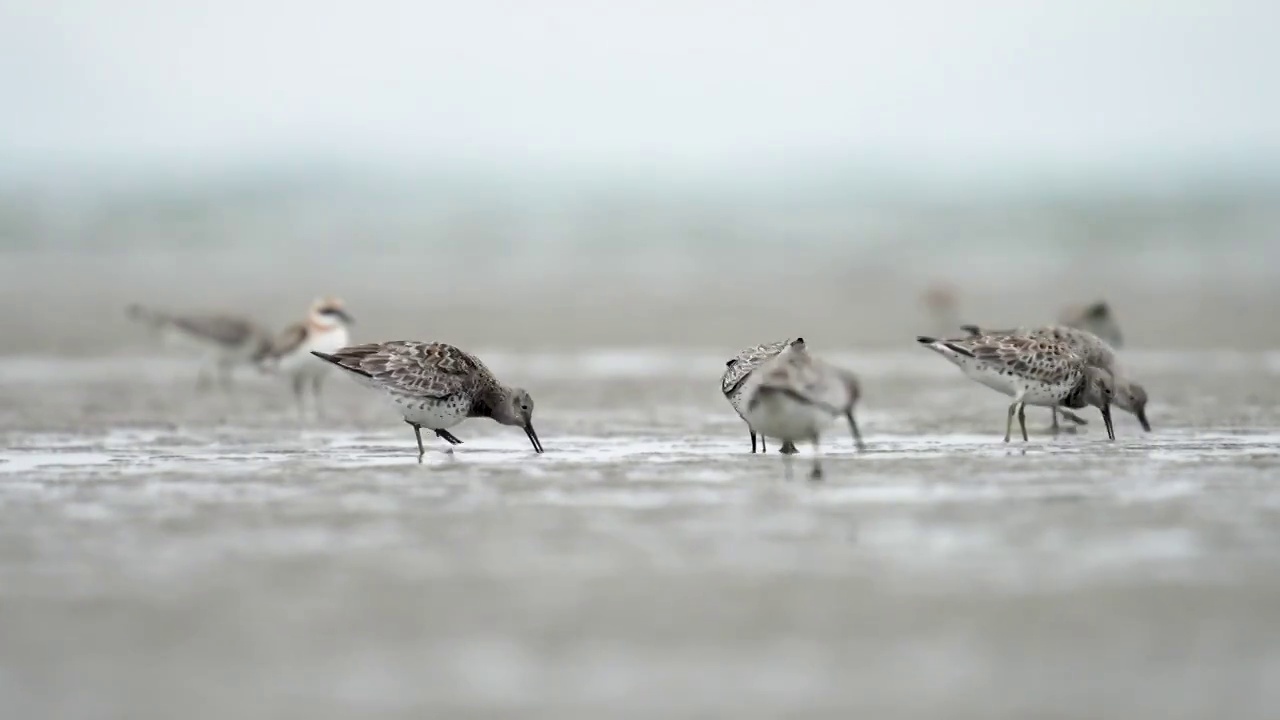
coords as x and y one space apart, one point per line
1033 371
325 330
735 375
1128 395
222 341
436 386
1096 318
794 396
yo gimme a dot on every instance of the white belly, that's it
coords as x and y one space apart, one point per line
432 413
1032 392
302 361
784 418
989 375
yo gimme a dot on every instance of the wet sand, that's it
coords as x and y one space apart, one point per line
164 554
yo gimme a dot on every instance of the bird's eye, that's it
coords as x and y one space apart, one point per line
524 407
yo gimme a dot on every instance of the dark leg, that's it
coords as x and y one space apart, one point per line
1008 423
1073 417
788 448
816 474
315 394
299 384
1022 419
1054 427
224 376
417 433
448 437
853 426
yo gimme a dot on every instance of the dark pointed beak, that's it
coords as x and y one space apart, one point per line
1106 419
533 437
344 317
1142 418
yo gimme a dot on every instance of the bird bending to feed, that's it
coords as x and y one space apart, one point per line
223 341
1096 318
1033 371
794 396
737 370
324 330
436 386
1129 396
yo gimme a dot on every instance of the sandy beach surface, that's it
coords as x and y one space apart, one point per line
170 554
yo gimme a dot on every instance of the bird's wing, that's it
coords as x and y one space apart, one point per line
738 368
413 368
217 328
1032 357
289 340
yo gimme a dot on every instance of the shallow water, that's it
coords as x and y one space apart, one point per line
166 554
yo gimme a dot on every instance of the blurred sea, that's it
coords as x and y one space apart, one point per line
517 262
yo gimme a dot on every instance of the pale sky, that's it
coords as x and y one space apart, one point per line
953 84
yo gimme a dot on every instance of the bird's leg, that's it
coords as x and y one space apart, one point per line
853 426
1008 423
224 376
1054 428
315 395
1022 419
788 448
417 433
786 465
298 398
753 440
448 437
816 474
1073 417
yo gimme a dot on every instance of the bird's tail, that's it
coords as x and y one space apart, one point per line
943 346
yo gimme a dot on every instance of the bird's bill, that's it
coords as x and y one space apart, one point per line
533 437
342 315
1142 418
1106 419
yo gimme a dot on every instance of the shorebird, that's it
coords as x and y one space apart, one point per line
1096 318
1129 396
436 386
223 341
737 370
324 330
1033 371
794 396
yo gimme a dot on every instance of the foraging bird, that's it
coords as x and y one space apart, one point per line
1129 396
436 386
1033 371
794 396
737 370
